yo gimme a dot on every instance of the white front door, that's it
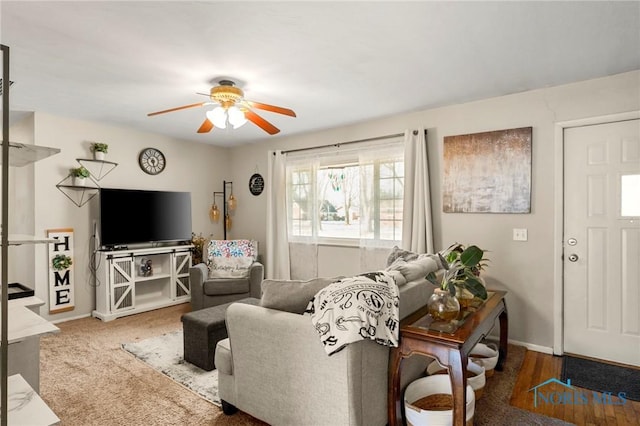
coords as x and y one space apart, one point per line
602 241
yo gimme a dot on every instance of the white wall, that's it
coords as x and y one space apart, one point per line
198 168
524 269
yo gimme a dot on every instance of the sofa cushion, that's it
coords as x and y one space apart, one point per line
397 277
398 253
291 295
231 258
415 269
224 286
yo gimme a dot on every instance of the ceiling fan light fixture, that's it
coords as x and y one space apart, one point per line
218 116
236 117
226 92
232 109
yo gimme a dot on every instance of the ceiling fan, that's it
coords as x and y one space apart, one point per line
232 108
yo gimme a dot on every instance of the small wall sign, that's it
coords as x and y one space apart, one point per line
256 184
61 286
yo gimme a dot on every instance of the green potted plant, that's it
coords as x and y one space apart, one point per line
460 282
99 150
61 262
80 174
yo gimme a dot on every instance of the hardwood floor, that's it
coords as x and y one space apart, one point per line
537 368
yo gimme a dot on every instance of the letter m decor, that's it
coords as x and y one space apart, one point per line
61 285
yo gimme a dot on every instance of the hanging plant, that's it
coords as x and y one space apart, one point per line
61 262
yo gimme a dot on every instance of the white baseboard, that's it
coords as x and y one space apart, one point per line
530 346
69 319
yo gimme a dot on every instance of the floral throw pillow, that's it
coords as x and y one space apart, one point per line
231 258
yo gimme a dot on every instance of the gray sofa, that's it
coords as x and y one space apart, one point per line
207 292
278 370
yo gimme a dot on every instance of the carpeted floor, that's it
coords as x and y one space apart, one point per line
601 377
87 379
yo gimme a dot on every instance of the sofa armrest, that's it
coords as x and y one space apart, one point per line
256 275
197 276
280 363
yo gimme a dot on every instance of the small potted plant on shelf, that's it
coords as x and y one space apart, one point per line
99 150
80 175
460 283
61 262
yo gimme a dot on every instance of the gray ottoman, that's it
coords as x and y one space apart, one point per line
203 329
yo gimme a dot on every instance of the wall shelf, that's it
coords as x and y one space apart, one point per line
21 154
79 195
19 239
97 168
82 194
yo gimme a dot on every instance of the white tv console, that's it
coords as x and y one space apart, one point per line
124 288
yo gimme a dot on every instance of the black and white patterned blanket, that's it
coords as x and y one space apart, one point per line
357 308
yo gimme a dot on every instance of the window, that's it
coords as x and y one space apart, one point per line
349 195
630 195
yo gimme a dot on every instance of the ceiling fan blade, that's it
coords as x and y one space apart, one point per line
206 126
199 104
271 108
261 122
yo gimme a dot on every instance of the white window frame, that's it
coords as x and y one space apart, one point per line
344 160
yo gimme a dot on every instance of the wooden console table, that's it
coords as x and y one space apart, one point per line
450 350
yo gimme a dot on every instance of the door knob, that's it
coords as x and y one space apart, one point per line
573 258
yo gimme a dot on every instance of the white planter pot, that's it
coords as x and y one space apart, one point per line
98 155
79 181
430 385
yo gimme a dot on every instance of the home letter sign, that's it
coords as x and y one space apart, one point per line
61 294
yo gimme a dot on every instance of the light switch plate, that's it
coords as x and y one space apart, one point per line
519 234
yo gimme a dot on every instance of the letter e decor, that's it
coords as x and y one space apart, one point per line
61 288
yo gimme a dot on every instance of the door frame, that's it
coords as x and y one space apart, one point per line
558 220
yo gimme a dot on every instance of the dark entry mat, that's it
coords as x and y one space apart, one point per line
601 377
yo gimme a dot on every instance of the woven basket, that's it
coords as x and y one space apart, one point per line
486 356
428 401
476 380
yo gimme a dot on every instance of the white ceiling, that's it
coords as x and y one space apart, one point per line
334 63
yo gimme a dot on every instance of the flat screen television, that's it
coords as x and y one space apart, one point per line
130 216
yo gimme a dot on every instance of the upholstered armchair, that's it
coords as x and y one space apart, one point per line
207 292
232 272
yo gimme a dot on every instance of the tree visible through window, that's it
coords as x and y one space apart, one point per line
346 197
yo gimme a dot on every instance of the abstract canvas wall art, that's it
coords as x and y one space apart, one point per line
488 172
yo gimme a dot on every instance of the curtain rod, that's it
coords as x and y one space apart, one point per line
339 144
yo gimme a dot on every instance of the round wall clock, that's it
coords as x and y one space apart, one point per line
152 161
256 184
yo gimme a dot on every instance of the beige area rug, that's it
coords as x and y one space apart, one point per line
165 353
87 379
